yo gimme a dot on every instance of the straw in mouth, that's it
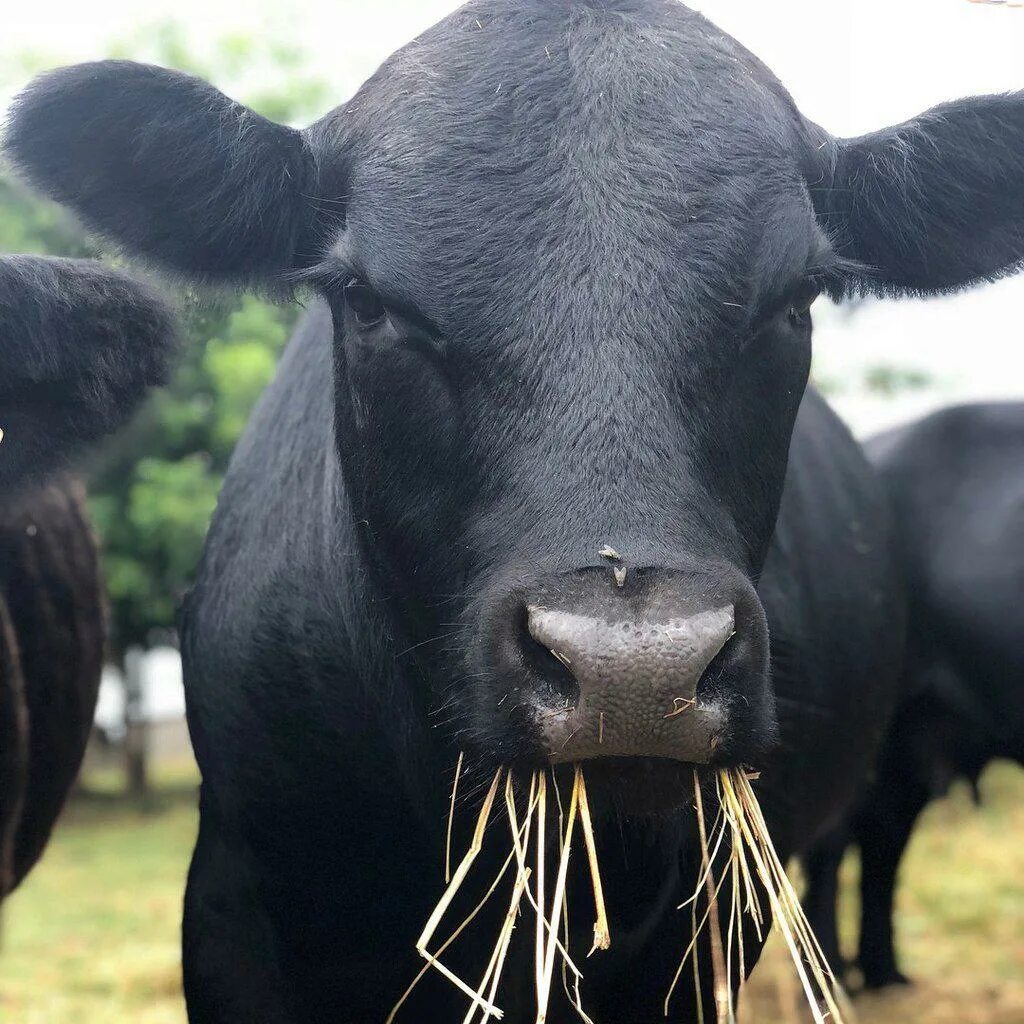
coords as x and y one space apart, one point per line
528 842
738 833
753 866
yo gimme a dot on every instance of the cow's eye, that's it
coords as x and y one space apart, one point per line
365 303
800 306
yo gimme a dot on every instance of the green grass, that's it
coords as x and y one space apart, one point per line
960 917
92 937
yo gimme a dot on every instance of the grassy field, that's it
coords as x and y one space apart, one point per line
92 938
960 919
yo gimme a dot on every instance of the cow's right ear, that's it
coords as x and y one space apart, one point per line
168 167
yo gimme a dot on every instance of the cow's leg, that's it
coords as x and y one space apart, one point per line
230 966
883 833
820 902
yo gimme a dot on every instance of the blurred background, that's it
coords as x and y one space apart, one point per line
93 934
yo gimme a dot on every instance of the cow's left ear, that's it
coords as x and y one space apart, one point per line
934 204
80 346
168 167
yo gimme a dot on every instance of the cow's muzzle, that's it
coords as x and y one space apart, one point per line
637 682
656 667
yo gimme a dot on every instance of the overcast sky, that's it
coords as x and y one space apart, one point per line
852 65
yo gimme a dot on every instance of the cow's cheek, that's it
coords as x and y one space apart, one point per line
745 452
408 425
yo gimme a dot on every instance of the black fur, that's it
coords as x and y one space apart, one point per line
52 630
590 231
933 204
956 481
79 347
167 166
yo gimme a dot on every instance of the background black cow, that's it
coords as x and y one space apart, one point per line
956 482
79 346
564 256
51 609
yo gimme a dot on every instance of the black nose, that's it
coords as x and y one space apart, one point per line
633 659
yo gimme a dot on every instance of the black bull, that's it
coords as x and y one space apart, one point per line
564 256
956 483
79 345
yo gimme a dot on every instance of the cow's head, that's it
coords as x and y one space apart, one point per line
570 251
80 344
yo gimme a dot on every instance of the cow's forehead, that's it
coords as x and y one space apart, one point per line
623 132
529 64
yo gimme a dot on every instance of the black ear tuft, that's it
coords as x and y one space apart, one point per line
80 345
931 205
166 166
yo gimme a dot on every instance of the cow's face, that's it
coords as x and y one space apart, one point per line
570 298
569 251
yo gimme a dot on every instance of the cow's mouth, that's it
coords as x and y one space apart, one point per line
631 787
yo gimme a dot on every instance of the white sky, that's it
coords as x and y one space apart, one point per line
852 65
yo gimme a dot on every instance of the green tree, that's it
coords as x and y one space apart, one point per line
153 488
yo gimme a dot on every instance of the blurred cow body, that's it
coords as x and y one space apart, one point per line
956 484
67 377
51 654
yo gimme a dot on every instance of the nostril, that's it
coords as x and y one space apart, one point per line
709 679
741 660
551 667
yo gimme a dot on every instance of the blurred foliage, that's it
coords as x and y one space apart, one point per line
267 74
154 486
882 379
28 224
892 380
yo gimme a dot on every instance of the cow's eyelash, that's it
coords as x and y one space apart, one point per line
325 274
332 274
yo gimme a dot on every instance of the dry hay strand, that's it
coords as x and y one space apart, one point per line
738 835
752 865
602 934
529 837
451 820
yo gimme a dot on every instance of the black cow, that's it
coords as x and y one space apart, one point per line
79 345
956 481
564 255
